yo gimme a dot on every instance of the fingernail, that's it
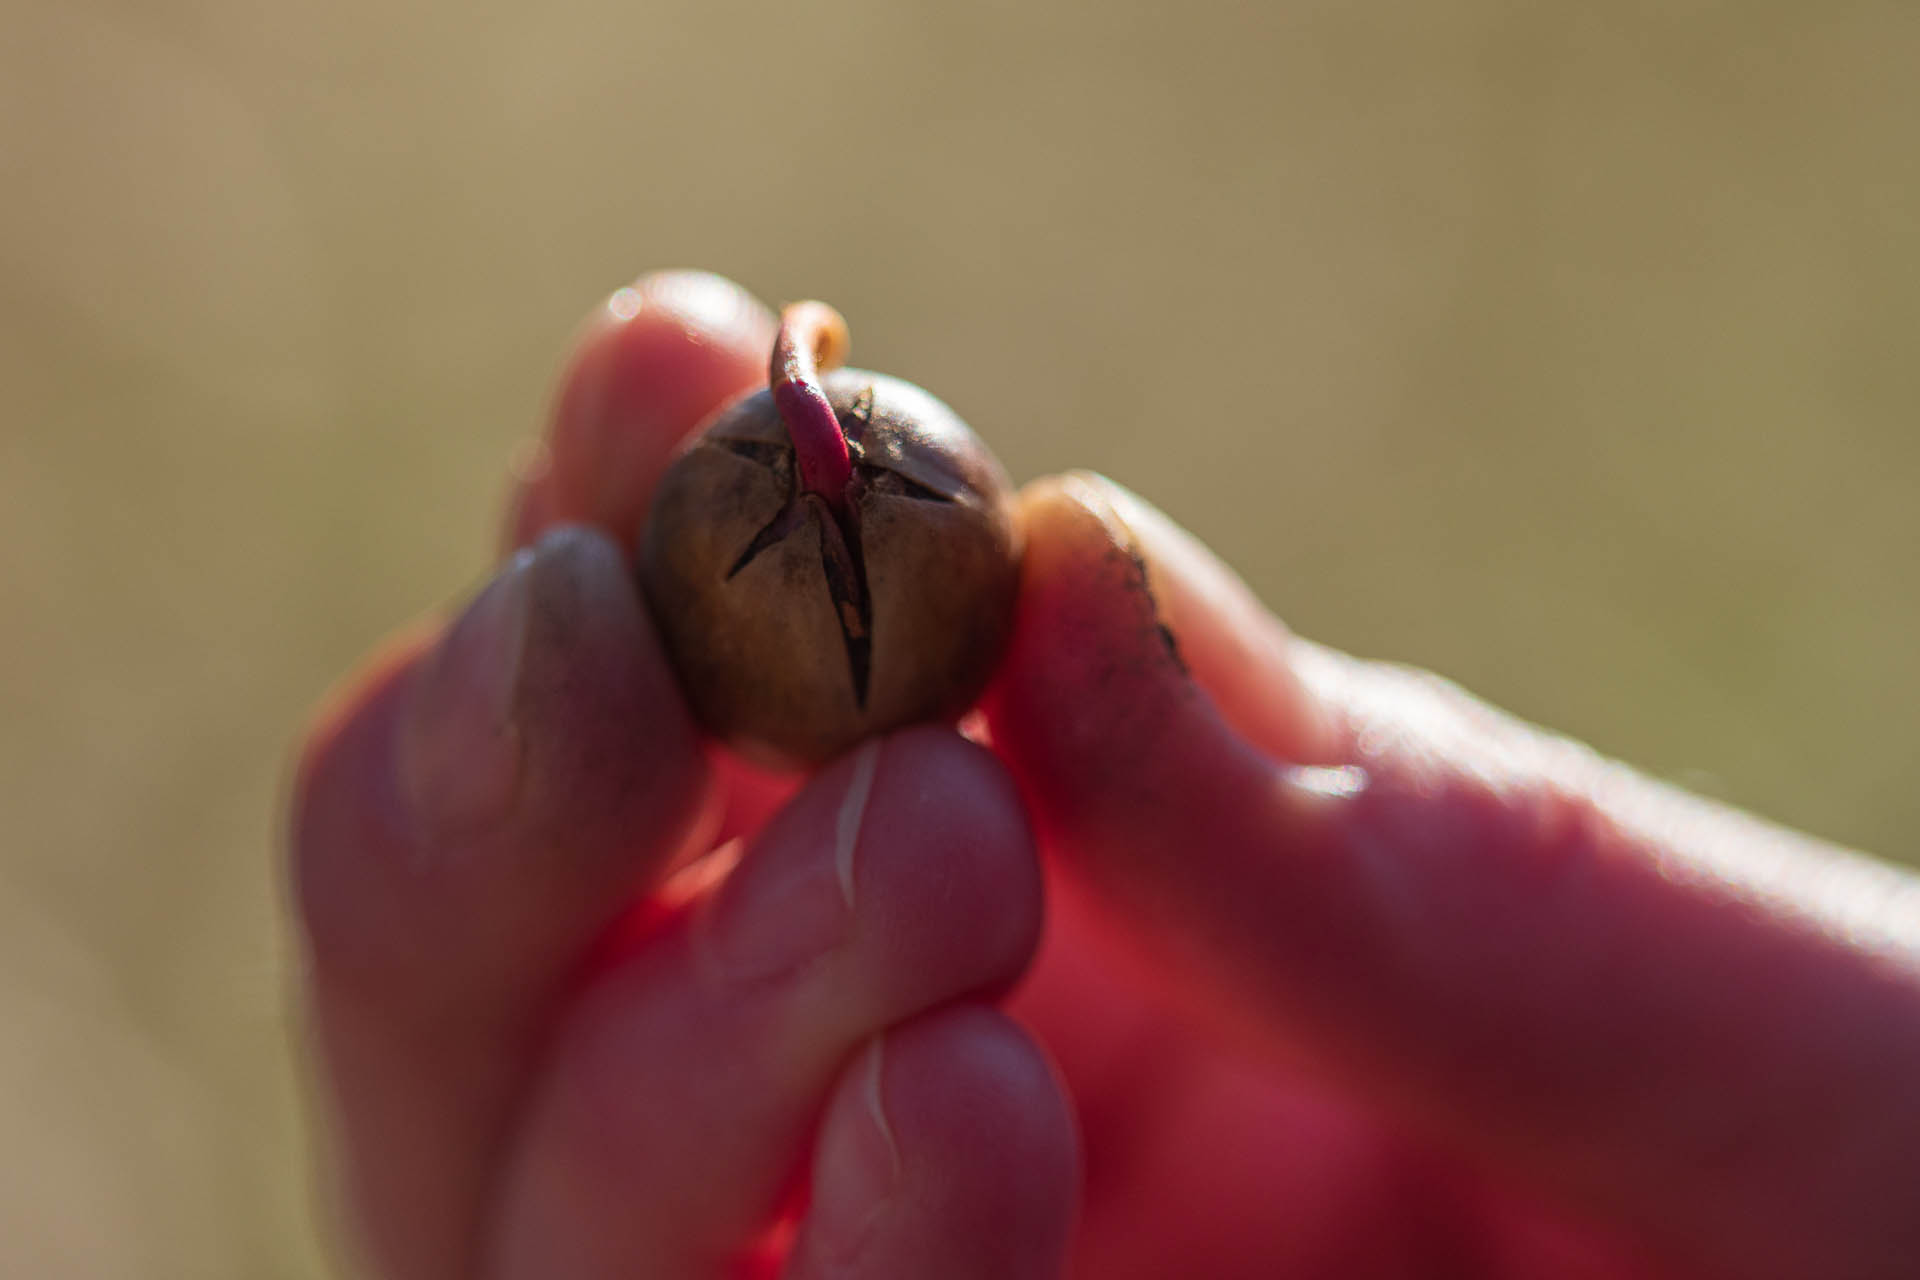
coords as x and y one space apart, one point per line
1106 502
1096 494
460 751
860 1168
793 901
1196 597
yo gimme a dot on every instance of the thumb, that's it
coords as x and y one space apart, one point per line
1693 1025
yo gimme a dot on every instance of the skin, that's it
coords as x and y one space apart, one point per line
1245 959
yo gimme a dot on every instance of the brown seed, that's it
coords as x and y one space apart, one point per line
809 599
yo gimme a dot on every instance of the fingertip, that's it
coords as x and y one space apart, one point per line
708 305
1094 707
954 857
948 1148
1235 649
1117 578
610 738
911 857
1090 669
655 359
969 1082
488 790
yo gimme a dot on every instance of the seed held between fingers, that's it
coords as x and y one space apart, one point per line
831 558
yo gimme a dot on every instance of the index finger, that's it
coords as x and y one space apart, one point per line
653 361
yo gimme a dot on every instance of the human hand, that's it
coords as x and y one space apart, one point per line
557 1041
1351 975
1430 1005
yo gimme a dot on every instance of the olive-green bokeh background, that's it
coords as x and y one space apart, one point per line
1566 349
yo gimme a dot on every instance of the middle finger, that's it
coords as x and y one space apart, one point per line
680 1089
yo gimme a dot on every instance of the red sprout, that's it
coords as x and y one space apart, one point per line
812 340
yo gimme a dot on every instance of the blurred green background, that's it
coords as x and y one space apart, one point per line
1566 349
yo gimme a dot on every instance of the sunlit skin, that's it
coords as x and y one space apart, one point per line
1212 953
